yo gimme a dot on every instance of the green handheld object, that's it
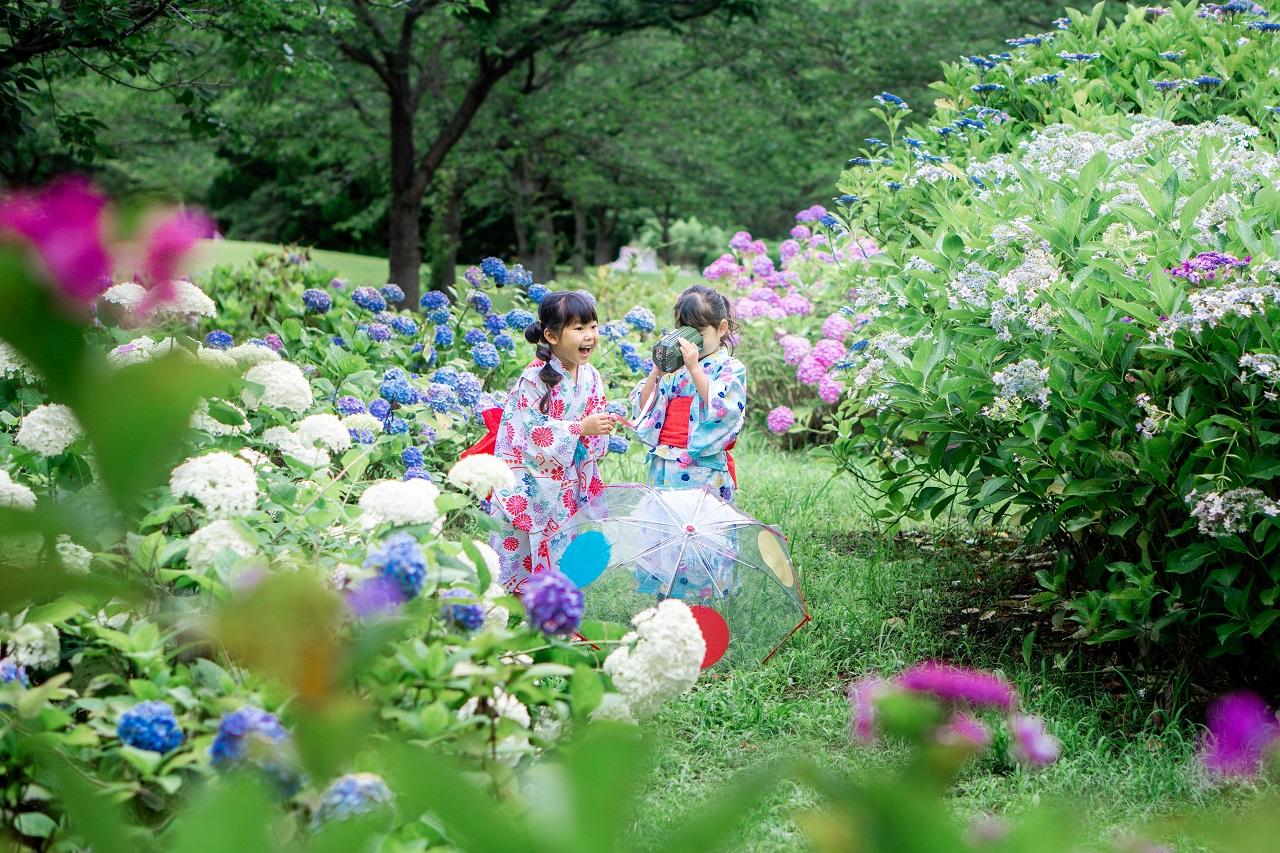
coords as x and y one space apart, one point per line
666 352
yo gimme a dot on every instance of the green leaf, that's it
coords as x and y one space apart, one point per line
54 611
586 691
35 824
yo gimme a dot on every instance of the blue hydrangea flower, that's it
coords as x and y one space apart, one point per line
1044 79
218 339
395 426
239 728
485 356
859 161
400 559
831 222
150 725
618 444
627 348
404 326
519 319
641 319
316 301
894 186
1166 85
967 123
1062 23
504 342
1173 55
1025 41
646 365
469 388
519 276
361 436
398 390
416 472
368 299
1207 80
847 200
633 362
348 405
537 292
980 62
889 99
433 299
393 293
351 795
379 332
444 336
553 603
412 456
339 341
446 376
474 336
439 316
428 434
494 269
10 671
1264 26
440 398
468 617
614 330
983 88
380 409
494 323
616 408
1078 57
480 302
875 142
858 346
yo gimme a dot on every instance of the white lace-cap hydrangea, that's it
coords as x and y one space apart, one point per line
251 355
506 707
399 502
291 445
283 387
13 365
75 558
481 475
205 422
35 646
15 494
209 541
659 660
326 430
223 484
48 429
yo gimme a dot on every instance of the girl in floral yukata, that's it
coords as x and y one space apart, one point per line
690 419
554 430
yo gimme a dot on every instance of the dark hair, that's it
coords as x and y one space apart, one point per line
700 306
557 310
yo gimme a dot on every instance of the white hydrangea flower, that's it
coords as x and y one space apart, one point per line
660 659
13 365
48 429
209 541
481 474
283 387
127 294
223 484
188 300
35 646
75 558
505 707
216 358
325 430
614 707
136 351
15 494
495 615
487 554
251 355
399 502
291 444
254 458
203 421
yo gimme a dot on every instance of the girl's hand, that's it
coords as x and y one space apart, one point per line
692 355
599 424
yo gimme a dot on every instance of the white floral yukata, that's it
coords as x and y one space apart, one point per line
702 464
554 464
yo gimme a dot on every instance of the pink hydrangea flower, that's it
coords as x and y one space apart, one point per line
862 696
740 241
964 730
795 305
1031 744
763 266
830 389
810 371
1241 730
837 327
775 312
780 420
827 352
64 223
794 348
959 684
750 309
721 267
801 232
788 249
758 247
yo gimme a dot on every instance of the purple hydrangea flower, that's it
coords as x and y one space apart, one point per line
380 409
480 301
351 795
400 558
469 616
316 301
348 405
239 728
368 299
780 420
151 726
393 293
218 339
553 603
379 332
11 672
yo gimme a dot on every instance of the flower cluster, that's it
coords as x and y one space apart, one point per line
1016 385
659 660
150 725
1227 513
553 603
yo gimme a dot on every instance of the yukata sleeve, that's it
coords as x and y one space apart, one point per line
545 441
649 427
715 423
594 447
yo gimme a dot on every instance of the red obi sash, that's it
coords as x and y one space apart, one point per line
489 443
675 432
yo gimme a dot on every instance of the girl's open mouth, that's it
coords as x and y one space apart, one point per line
585 351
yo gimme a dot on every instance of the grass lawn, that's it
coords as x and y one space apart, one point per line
358 269
882 605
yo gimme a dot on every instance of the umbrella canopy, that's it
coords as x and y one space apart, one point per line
633 544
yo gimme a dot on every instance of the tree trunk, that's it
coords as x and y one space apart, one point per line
666 234
451 226
404 240
543 264
605 225
579 259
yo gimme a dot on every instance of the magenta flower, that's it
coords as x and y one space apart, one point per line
810 371
788 249
1032 745
828 352
722 267
963 730
801 232
63 222
959 684
758 247
795 305
763 266
830 389
780 420
740 241
1241 730
862 696
171 240
794 348
836 327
